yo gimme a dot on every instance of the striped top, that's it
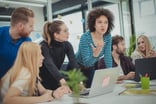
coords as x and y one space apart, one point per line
85 56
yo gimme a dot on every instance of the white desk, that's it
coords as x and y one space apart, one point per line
110 98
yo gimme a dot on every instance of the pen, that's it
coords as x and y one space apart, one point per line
122 92
146 75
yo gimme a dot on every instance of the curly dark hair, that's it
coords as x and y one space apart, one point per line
97 12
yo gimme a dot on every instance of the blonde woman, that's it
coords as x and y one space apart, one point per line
21 84
143 49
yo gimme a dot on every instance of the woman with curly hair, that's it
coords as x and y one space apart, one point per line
96 42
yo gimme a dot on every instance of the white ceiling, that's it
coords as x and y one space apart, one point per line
30 1
37 1
18 3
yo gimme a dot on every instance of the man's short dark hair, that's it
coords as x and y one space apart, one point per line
116 39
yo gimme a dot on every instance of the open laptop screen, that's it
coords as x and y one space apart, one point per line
145 65
104 81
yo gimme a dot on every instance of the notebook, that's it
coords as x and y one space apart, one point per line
104 81
145 65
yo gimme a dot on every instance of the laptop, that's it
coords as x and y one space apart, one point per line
143 66
104 81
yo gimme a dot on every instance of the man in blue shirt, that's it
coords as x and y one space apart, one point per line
11 37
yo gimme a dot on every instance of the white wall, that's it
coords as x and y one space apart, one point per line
74 24
39 22
114 9
145 19
3 23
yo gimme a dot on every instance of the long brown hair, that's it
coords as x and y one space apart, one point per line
27 57
50 28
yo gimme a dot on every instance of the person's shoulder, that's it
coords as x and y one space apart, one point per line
86 34
67 44
26 39
85 37
43 43
24 73
4 29
135 53
127 57
107 36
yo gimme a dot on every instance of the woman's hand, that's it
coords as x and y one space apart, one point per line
96 50
58 93
47 96
66 89
65 86
151 54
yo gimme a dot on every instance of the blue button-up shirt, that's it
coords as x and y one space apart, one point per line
8 49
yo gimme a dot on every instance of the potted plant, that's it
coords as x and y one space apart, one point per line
74 78
132 45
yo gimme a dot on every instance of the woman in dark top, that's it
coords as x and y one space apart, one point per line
54 48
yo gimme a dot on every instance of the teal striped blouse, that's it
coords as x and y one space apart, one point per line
85 56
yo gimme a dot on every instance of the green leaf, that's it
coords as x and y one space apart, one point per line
132 45
74 77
